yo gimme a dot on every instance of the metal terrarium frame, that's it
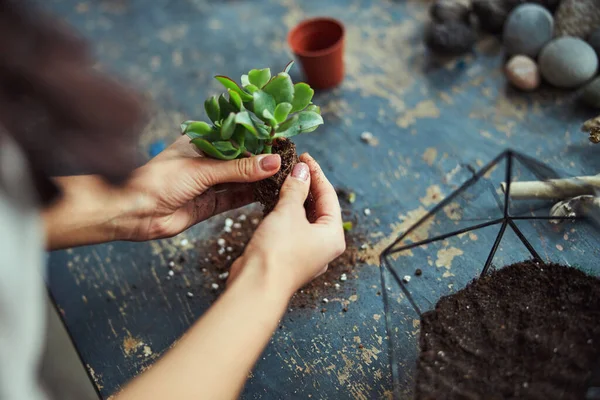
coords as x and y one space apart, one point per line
506 220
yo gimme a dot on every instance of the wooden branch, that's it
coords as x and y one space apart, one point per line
592 126
554 188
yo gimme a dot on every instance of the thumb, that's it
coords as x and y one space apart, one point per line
250 169
295 188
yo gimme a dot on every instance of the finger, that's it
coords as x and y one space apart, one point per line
211 172
327 205
295 188
321 272
220 199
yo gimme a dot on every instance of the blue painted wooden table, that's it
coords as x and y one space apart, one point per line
434 122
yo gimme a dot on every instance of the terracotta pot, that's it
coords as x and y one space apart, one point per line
318 43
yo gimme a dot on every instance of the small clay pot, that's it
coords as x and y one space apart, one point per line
318 44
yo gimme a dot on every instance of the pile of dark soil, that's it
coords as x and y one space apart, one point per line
527 331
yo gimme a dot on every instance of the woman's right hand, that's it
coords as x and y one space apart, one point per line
287 251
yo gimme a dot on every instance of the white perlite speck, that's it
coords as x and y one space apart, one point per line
364 246
255 221
171 273
184 242
337 285
228 222
366 136
227 229
223 276
221 242
367 211
190 294
171 264
325 301
343 277
221 251
229 249
406 278
237 225
214 286
242 217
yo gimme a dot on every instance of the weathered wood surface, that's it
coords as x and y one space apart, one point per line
432 122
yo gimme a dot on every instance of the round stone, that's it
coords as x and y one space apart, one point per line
527 29
522 72
591 93
594 41
567 62
577 18
449 10
491 14
450 38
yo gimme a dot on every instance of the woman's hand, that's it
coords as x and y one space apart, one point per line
173 191
287 250
179 188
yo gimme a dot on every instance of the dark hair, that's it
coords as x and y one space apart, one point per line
66 116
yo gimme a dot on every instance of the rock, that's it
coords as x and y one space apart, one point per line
450 38
577 18
567 62
527 29
594 41
591 93
522 72
449 10
491 14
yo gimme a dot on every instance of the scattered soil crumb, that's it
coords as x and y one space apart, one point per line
215 256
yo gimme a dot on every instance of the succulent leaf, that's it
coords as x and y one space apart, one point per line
225 107
235 100
282 111
281 88
184 125
314 108
228 127
269 118
230 84
243 118
288 67
305 121
211 151
198 127
212 108
251 88
245 81
287 127
262 101
303 95
309 121
259 77
225 147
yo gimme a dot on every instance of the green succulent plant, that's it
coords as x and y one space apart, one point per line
262 109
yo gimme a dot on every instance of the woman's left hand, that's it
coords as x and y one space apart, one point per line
179 188
173 191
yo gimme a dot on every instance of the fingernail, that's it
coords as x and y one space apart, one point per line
300 171
270 162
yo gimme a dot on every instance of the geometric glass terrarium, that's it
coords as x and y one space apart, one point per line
478 228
